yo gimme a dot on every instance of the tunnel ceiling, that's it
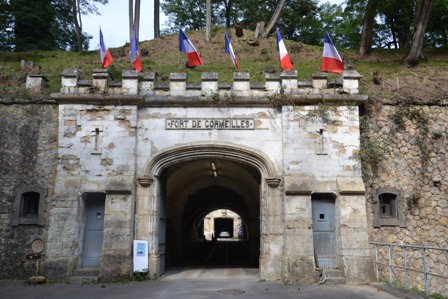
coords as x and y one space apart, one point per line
193 176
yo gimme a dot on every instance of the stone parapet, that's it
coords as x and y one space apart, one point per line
144 84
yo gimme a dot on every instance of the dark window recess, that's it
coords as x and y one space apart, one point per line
389 208
30 205
388 205
321 216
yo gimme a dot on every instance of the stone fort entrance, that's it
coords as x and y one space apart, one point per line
166 157
194 181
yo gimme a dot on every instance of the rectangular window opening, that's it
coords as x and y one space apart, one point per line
30 205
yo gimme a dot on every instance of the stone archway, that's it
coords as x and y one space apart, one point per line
176 175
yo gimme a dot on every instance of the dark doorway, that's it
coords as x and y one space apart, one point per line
194 189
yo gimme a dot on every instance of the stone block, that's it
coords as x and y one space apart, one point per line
241 81
146 86
129 82
289 81
115 268
100 79
350 185
209 83
320 80
35 83
178 84
272 82
298 269
359 270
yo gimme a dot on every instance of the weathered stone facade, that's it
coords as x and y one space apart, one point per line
28 161
278 147
412 139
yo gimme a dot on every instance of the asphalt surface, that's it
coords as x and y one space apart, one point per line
197 284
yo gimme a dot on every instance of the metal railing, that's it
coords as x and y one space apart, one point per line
407 269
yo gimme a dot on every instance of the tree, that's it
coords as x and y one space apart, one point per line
186 14
33 22
134 19
343 23
412 58
208 22
274 18
156 18
6 26
367 27
80 8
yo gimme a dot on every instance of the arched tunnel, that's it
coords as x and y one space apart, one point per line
193 189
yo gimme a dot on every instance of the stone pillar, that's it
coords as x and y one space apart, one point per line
147 85
289 81
178 84
298 256
354 251
241 83
350 81
272 222
116 261
272 82
69 80
35 83
100 79
209 83
129 83
320 80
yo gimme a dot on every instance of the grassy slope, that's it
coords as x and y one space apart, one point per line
427 81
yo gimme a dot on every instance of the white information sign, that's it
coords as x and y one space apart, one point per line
140 255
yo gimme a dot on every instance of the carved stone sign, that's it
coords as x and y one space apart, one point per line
210 124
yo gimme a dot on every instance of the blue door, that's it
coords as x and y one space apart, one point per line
93 231
323 232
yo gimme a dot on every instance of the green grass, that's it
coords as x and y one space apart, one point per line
164 58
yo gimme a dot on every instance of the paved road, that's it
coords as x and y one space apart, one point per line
194 284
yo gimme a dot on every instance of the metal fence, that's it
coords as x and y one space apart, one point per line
414 264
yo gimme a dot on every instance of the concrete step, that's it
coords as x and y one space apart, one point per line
334 277
86 272
83 279
84 275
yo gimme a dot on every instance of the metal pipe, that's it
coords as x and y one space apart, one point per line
425 274
406 270
390 264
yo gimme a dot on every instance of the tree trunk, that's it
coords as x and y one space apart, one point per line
367 27
228 5
78 26
131 20
259 29
274 18
156 18
416 51
208 20
137 20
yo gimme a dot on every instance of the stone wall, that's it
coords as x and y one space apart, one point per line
405 150
28 147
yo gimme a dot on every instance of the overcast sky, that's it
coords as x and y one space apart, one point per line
114 23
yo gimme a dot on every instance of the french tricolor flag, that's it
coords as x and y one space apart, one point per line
331 61
134 56
284 57
229 50
106 57
187 47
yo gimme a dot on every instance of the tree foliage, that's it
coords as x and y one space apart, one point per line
44 24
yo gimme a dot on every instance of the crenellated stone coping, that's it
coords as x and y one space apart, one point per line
144 84
35 83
